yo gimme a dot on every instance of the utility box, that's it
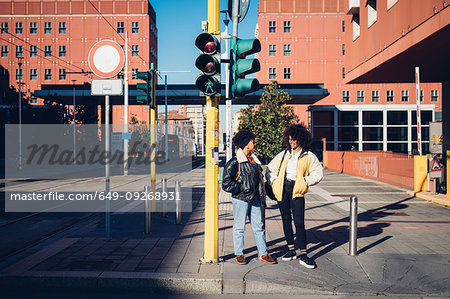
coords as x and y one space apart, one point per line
436 138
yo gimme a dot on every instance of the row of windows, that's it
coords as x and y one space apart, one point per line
62 27
273 73
34 27
389 96
48 51
34 74
287 26
62 74
273 50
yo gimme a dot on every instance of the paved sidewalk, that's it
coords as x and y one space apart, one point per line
403 248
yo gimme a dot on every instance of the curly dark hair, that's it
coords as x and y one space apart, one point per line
297 132
243 136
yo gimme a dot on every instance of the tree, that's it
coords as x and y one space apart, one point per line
269 120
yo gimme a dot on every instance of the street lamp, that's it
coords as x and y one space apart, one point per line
19 63
74 128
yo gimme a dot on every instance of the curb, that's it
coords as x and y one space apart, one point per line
161 282
430 196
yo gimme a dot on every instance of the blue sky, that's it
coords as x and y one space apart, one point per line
179 23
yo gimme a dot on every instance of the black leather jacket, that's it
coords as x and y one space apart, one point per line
248 186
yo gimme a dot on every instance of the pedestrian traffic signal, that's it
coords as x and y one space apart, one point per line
208 63
147 87
240 66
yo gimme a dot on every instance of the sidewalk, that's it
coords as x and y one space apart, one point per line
403 247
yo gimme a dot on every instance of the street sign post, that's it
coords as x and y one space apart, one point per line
106 59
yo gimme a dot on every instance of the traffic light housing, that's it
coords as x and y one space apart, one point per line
148 97
208 63
240 66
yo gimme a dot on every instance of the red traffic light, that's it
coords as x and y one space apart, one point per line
207 43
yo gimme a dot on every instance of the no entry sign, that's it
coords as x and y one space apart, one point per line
106 58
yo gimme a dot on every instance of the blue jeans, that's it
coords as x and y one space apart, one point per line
241 210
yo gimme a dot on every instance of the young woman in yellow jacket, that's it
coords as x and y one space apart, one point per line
290 173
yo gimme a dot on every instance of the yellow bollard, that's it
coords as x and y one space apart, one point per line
420 173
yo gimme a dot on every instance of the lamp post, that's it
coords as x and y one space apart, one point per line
227 91
74 125
19 63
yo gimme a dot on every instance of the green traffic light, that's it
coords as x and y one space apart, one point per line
208 85
208 63
240 66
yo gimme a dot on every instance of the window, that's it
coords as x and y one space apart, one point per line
134 73
287 26
48 74
272 50
62 74
343 26
345 96
287 50
19 51
62 51
434 95
405 95
33 51
391 3
19 27
33 74
62 27
360 96
375 96
4 28
48 28
135 27
389 96
272 26
4 51
343 73
355 23
343 49
19 74
272 73
33 28
120 27
135 50
371 12
287 73
48 51
421 95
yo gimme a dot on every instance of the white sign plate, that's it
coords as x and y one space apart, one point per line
100 87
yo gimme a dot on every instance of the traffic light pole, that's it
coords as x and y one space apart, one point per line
211 241
152 142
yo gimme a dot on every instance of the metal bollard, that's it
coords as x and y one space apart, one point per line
164 191
353 225
178 202
148 216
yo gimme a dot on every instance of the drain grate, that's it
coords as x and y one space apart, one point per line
342 195
383 214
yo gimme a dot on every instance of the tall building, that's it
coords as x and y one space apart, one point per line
52 39
304 41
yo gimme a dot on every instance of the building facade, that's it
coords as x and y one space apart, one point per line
304 41
52 39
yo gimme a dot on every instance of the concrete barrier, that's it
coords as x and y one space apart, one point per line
392 168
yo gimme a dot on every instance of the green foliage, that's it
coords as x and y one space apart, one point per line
269 120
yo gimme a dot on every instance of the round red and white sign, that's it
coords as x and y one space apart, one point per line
106 58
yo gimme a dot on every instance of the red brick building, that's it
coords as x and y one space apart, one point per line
53 39
306 41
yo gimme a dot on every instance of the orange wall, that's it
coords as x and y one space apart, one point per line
393 168
84 27
392 24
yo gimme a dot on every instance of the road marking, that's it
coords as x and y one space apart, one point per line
333 199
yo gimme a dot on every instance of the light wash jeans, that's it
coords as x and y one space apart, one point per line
241 210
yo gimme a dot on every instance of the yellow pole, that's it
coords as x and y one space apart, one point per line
211 242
